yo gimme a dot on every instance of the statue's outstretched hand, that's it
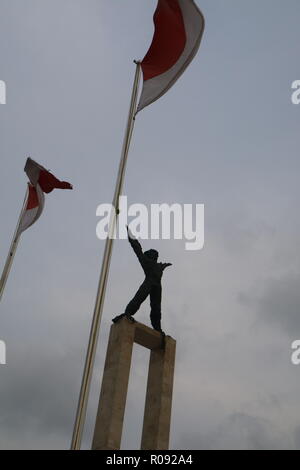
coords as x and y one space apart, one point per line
166 265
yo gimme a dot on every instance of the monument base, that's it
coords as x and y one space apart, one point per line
158 405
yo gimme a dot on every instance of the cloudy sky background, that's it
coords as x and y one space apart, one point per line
226 135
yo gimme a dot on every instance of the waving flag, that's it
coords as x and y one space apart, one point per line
41 181
37 174
179 26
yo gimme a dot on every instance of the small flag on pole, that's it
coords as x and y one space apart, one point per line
179 26
37 174
41 181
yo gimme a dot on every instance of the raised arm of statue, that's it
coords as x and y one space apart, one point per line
136 246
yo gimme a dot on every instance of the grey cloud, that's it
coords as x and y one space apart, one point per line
277 302
239 431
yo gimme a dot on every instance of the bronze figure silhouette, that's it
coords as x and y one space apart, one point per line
151 285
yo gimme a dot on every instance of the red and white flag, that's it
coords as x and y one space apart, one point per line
179 26
41 181
37 174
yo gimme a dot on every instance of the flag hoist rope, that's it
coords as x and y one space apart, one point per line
12 249
94 333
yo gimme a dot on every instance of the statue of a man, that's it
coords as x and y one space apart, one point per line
151 285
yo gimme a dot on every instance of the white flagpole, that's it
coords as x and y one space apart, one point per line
12 250
94 333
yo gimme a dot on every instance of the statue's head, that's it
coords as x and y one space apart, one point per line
152 254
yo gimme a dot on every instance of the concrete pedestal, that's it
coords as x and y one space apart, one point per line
157 415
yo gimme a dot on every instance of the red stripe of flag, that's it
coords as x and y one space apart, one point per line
48 182
168 42
32 200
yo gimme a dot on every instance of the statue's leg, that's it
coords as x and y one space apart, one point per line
138 299
155 303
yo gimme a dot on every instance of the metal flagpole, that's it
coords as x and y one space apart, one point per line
94 333
12 250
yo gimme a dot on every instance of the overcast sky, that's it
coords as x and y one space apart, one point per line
227 136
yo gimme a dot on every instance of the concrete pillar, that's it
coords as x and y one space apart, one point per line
111 409
157 416
109 422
